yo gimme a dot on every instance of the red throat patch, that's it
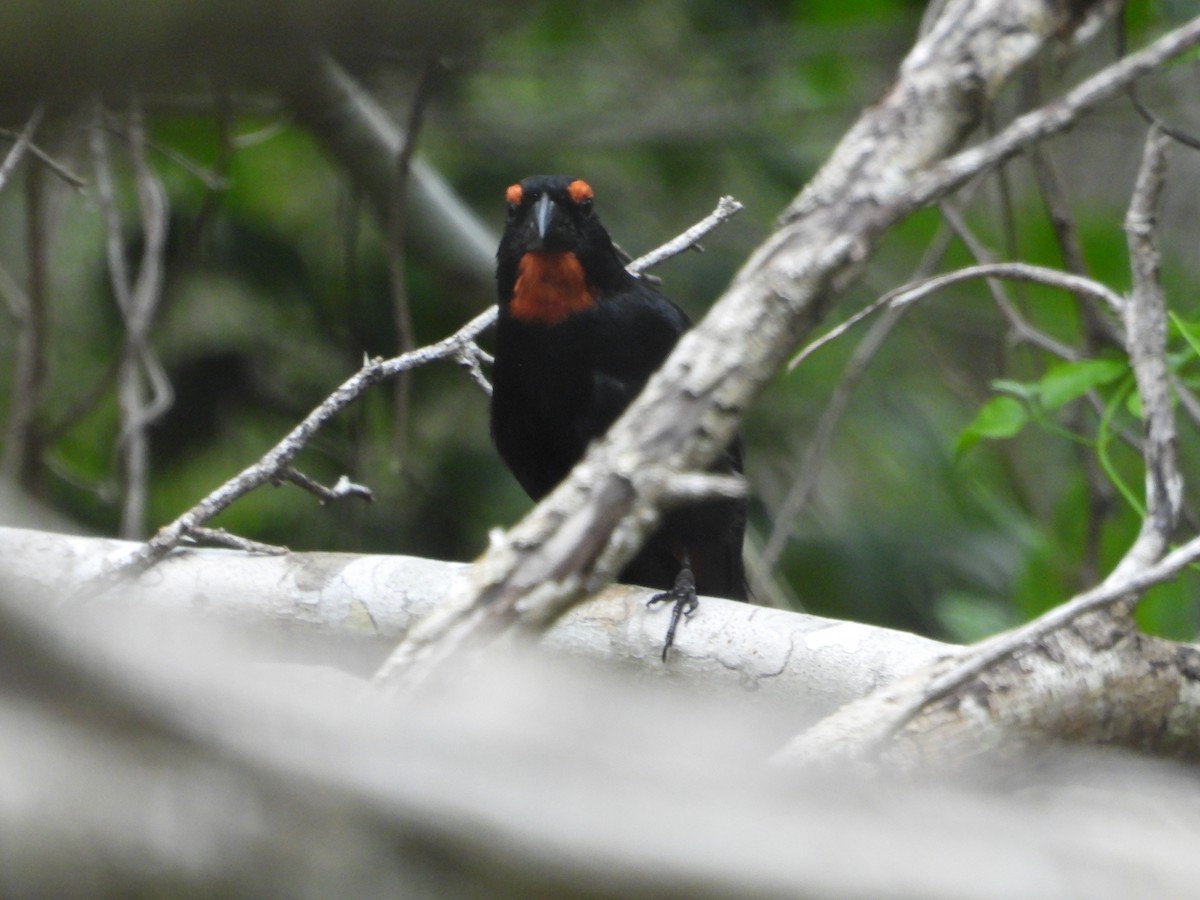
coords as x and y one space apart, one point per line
550 286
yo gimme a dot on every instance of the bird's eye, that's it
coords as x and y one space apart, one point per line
512 211
585 206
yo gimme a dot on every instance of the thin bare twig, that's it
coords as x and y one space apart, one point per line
24 436
976 660
473 359
1042 123
143 392
397 274
212 178
918 290
1188 401
1098 330
97 388
1146 336
1008 219
343 488
1017 271
804 486
726 209
1143 564
269 467
22 439
215 179
22 145
219 537
1147 114
278 459
58 168
1022 330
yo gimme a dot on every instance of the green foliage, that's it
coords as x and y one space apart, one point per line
917 522
1168 610
1069 381
1000 417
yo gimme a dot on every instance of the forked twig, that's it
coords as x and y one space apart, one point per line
275 465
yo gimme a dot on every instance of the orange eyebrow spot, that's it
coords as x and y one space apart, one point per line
579 190
513 194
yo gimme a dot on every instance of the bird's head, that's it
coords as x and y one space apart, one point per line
555 257
550 214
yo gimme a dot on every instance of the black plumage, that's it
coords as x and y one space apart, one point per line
577 339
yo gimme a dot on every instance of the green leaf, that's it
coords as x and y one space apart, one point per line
1070 380
1026 390
1134 405
1000 417
1188 331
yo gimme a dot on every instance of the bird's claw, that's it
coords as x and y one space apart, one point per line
683 595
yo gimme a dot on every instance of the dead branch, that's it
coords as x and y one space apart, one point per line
811 664
805 484
342 489
145 749
275 465
1020 329
143 391
278 459
362 137
917 290
22 144
1146 336
1087 653
396 237
894 161
23 438
60 169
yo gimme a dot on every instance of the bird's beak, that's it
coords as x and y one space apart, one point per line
543 211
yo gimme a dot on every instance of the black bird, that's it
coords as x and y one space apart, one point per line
577 339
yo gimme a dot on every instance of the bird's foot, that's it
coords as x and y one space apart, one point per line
683 594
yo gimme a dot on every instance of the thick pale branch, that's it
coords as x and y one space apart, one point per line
1159 700
886 167
1149 687
812 664
169 755
1146 337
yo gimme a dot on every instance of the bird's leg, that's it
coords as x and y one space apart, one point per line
684 596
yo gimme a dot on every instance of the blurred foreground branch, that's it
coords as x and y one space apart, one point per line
358 133
896 159
145 754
